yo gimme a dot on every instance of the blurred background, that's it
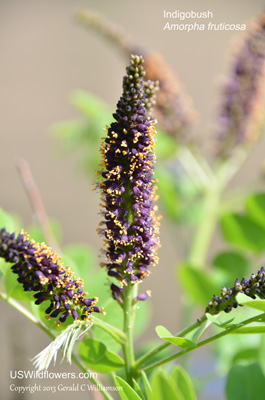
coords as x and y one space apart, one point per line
44 56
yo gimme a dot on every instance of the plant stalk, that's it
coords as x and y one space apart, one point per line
130 292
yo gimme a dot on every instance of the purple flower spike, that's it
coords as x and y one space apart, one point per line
130 225
242 103
39 269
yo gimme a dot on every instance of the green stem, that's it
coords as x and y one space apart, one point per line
19 307
203 342
130 292
163 346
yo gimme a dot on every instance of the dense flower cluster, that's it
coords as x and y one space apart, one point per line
243 91
252 287
128 191
39 270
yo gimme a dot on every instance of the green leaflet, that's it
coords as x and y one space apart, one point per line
183 382
164 334
127 393
165 387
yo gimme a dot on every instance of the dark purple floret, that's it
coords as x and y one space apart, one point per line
128 192
143 296
39 269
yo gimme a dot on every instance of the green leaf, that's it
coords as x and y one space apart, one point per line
127 393
184 383
255 205
243 232
249 330
164 387
164 334
197 284
96 356
245 300
231 262
147 386
245 382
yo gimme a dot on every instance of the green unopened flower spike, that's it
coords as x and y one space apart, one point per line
39 270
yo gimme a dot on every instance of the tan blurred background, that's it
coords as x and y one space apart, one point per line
44 55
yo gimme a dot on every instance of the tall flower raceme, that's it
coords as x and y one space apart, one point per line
243 92
39 270
130 225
